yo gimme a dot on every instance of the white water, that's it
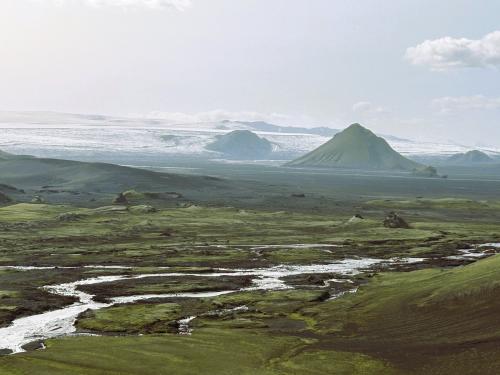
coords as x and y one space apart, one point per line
60 322
185 329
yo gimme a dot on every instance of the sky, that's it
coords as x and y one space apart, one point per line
420 69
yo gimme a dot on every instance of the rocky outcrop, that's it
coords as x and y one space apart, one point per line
393 220
121 199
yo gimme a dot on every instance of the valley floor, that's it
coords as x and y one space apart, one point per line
307 293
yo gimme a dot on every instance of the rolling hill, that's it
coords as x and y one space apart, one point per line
355 147
67 181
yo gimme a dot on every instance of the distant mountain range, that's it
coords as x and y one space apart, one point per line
356 147
469 158
265 127
81 137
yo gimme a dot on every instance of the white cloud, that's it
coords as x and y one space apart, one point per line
449 104
448 53
221 115
180 5
369 109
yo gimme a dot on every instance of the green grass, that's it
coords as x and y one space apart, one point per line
429 306
219 352
131 318
436 315
30 212
330 362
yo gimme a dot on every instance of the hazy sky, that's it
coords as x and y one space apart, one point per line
416 68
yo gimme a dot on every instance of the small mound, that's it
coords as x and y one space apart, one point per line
425 172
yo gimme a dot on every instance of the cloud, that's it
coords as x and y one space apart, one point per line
449 104
369 109
221 115
180 5
448 53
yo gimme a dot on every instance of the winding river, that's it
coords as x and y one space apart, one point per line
61 322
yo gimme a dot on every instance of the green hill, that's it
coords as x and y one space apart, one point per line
446 319
355 147
470 157
242 144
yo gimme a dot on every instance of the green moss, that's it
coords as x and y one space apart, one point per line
131 318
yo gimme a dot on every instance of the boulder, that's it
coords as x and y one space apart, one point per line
120 199
393 220
34 345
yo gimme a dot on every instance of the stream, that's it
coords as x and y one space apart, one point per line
61 322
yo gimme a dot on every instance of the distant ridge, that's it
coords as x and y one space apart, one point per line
266 127
470 157
358 148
